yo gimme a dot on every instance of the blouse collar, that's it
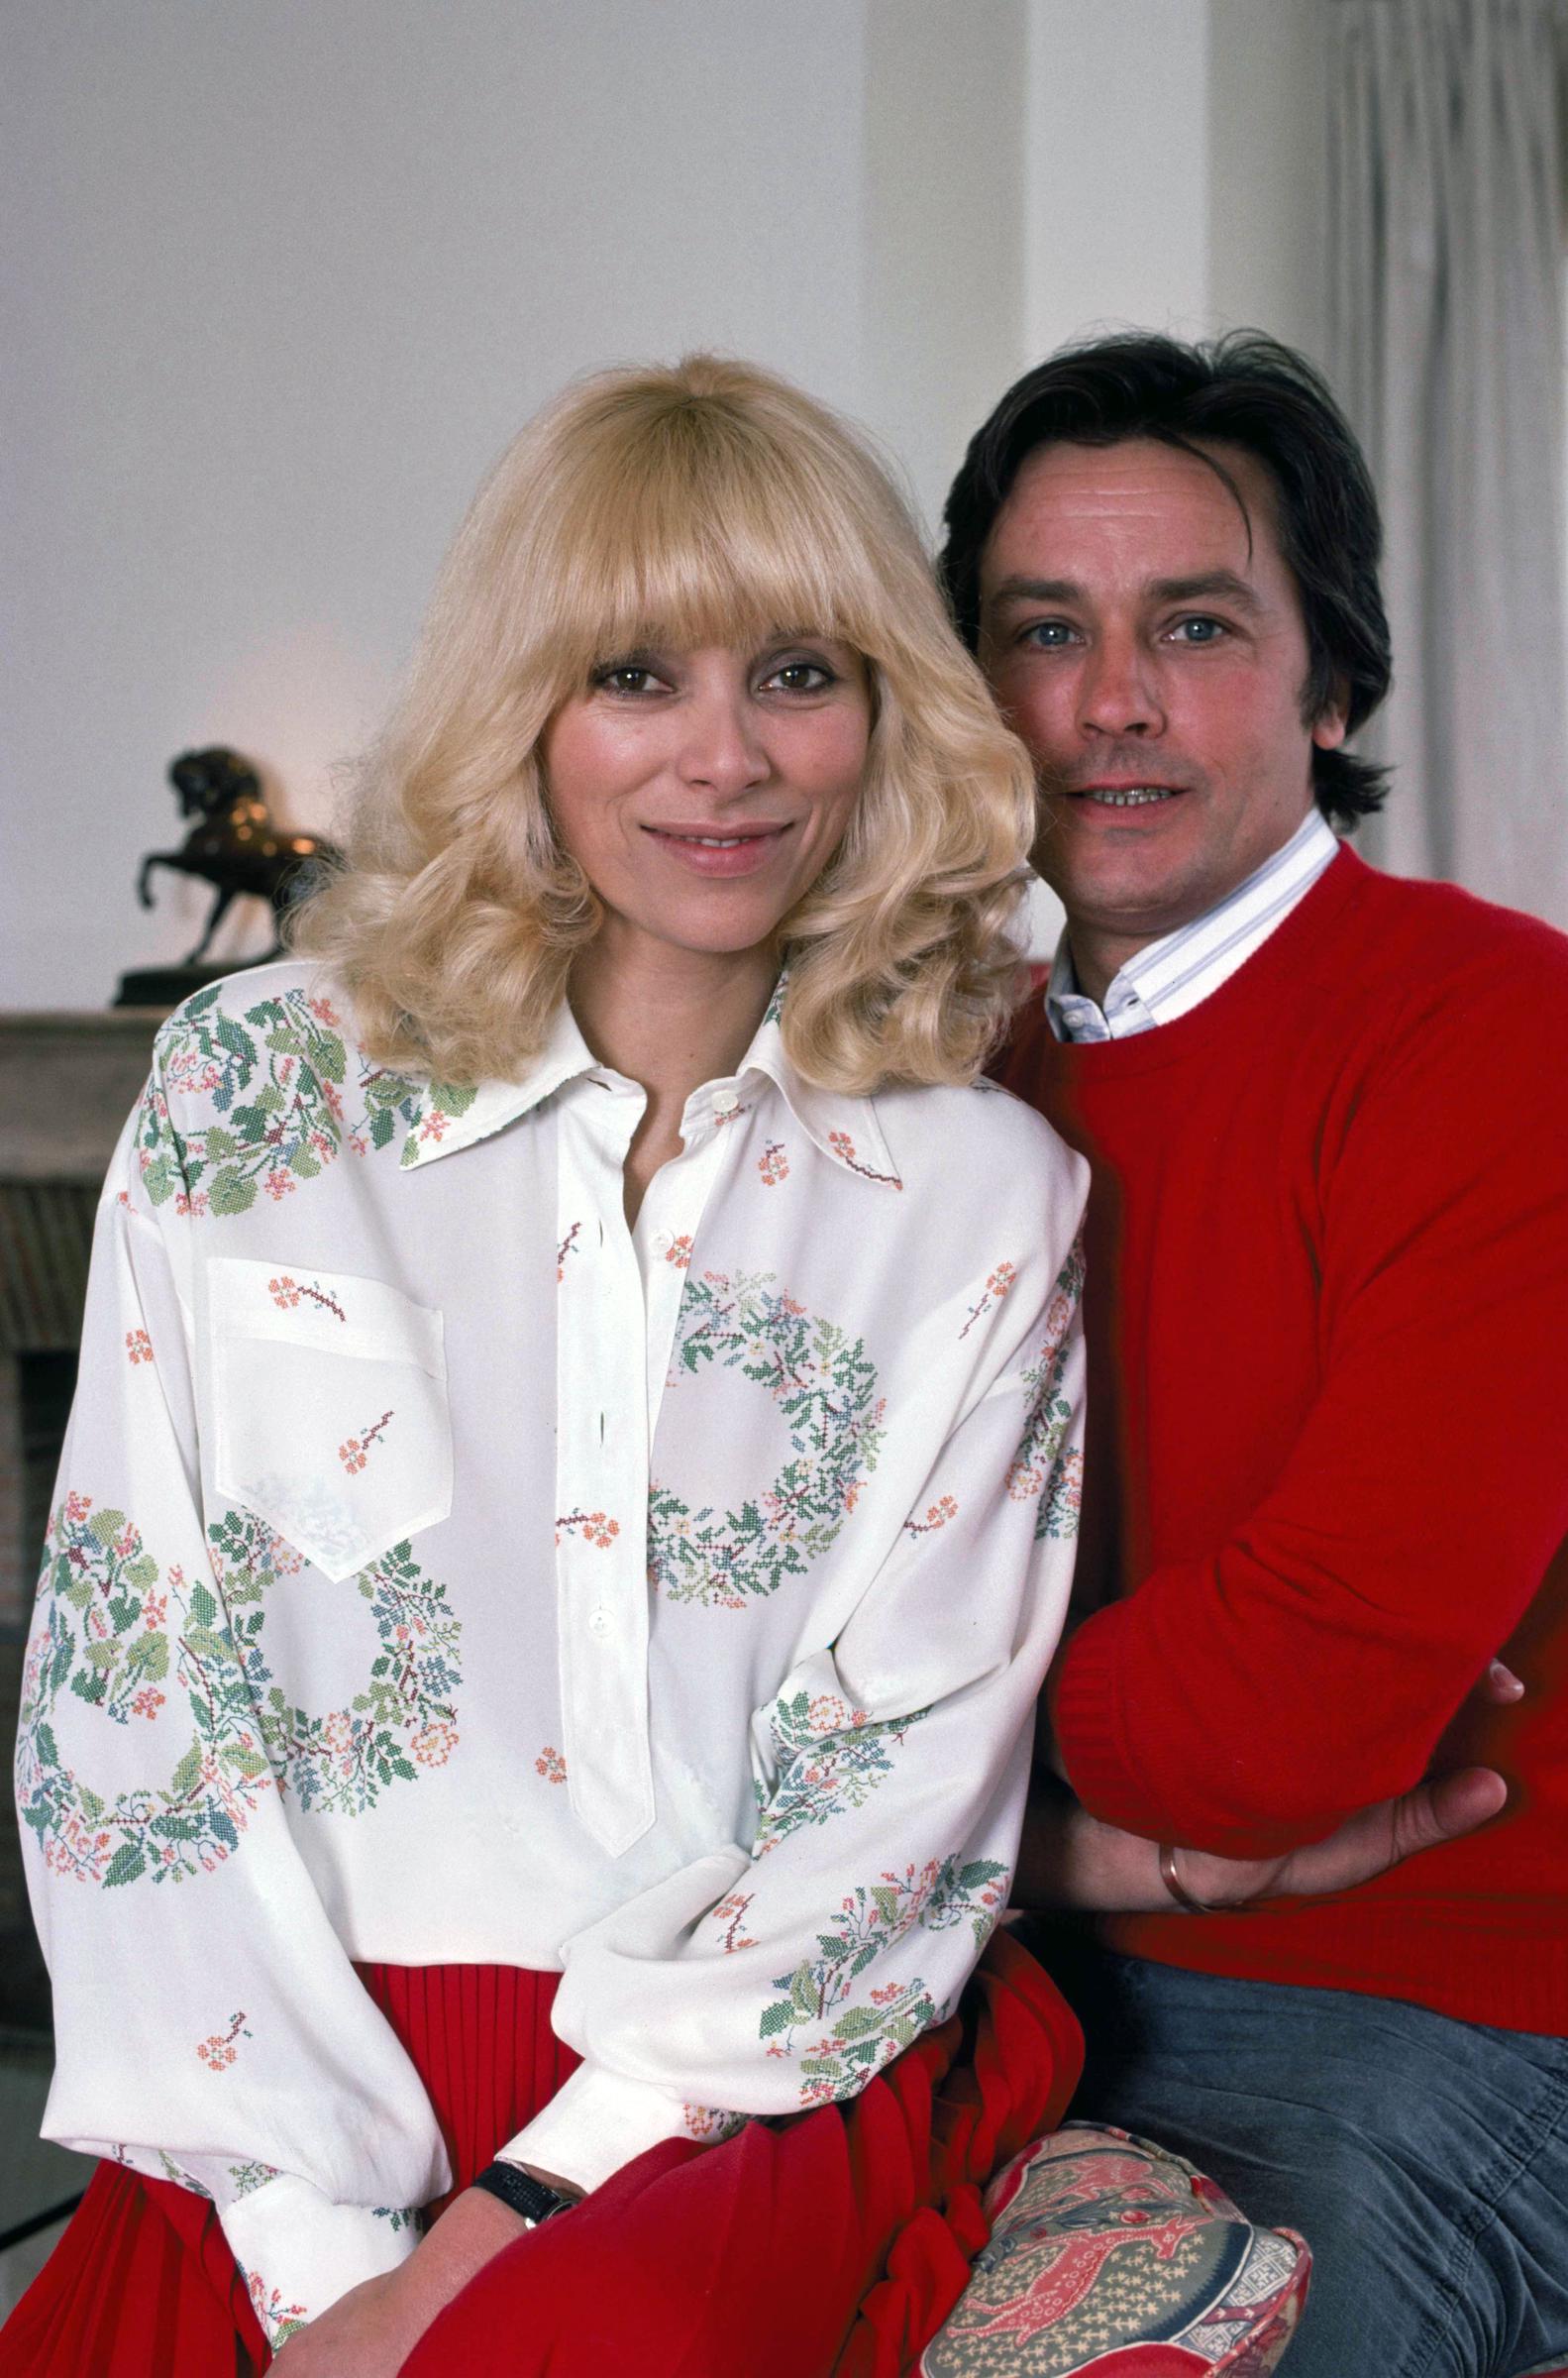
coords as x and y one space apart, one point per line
845 1128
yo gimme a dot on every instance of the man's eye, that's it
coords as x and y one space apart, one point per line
1198 630
800 677
1047 635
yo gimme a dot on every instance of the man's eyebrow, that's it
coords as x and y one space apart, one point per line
1221 585
1211 585
1036 590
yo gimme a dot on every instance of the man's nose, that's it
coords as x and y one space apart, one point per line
1118 692
722 749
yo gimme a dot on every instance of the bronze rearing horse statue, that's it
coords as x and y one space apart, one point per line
235 843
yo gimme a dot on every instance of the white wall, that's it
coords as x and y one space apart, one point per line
1174 167
282 279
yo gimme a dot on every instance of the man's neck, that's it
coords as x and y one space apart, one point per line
1098 958
1101 951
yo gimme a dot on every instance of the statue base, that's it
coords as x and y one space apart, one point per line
165 986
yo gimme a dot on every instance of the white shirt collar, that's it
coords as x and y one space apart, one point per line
1169 977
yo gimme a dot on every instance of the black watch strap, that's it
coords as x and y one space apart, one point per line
523 2192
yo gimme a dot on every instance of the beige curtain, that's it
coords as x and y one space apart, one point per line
1446 343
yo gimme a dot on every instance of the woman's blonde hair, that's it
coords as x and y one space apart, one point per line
710 503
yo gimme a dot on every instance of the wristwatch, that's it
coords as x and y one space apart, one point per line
523 2192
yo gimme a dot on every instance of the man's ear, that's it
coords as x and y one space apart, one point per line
1331 726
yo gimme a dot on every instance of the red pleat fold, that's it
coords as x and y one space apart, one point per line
835 2243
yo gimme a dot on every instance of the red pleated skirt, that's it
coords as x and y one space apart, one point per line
836 2243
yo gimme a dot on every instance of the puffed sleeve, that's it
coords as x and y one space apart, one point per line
891 1768
209 2025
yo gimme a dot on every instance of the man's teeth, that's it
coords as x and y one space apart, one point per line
1134 798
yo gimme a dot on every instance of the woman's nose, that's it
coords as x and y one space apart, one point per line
721 747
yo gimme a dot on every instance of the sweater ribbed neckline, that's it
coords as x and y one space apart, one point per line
1243 1005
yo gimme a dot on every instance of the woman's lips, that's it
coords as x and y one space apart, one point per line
715 851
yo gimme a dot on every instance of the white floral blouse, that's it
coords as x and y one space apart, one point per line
444 1573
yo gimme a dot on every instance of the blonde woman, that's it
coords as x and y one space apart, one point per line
573 1492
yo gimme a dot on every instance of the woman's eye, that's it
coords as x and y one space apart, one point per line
800 677
626 677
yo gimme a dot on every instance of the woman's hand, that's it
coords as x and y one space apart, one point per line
370 2331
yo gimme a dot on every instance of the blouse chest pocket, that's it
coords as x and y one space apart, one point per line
329 1402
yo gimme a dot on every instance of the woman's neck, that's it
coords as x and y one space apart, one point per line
670 1019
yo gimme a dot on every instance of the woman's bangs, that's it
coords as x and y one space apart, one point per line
690 558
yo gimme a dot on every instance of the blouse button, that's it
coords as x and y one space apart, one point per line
599 1623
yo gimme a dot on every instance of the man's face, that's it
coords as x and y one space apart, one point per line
1144 635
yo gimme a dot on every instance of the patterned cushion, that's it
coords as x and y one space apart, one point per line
1113 2256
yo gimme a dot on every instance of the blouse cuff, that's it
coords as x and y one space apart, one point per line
299 2251
594 2124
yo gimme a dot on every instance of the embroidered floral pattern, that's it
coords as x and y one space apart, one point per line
219 2051
568 1247
269 1101
286 1293
937 1516
829 1756
1045 1467
772 1164
890 2016
997 1286
396 2217
843 1148
723 1114
249 2176
280 2321
340 1761
594 1527
730 1916
109 1642
355 1451
710 2123
138 1347
551 1765
825 1386
678 1251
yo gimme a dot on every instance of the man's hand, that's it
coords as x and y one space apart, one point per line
370 2331
1069 1859
1365 1845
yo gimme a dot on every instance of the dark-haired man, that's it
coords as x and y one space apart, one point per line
1327 1114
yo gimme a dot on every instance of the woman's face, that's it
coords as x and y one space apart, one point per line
702 792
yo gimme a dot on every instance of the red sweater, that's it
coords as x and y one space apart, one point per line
1327 1470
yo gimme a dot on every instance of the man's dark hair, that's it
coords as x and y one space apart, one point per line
1245 390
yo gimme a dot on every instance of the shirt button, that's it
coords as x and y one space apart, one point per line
599 1623
662 1243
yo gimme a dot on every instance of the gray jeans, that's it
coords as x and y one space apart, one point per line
1425 2161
